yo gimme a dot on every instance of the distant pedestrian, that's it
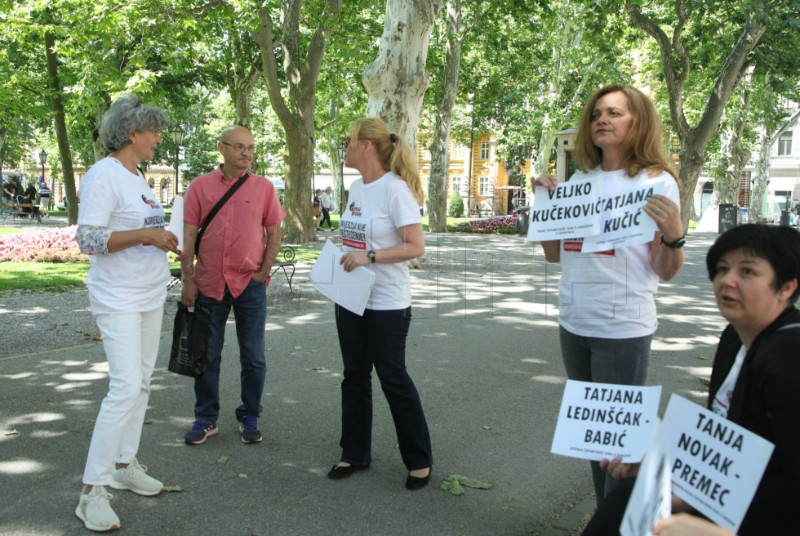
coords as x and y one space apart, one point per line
9 193
234 261
44 198
326 203
121 228
316 209
381 230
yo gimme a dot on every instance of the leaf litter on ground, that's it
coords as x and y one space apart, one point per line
455 484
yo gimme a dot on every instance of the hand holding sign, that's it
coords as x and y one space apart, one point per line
666 215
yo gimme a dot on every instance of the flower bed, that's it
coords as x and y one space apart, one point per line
47 245
495 224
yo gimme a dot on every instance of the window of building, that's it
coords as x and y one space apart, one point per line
785 144
484 150
455 184
483 186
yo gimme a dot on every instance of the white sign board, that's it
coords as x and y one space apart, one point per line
176 220
603 420
574 209
716 464
651 498
625 223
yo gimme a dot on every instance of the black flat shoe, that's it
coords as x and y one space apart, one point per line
338 472
417 482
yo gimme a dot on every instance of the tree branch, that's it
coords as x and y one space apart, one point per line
674 79
264 39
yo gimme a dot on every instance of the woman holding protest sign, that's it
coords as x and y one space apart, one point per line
607 311
755 271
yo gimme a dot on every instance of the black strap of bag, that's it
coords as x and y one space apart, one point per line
222 201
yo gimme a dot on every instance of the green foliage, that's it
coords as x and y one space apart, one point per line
456 206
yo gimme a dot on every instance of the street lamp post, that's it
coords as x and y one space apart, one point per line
42 160
177 135
340 194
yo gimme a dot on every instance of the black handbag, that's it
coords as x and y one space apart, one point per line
189 353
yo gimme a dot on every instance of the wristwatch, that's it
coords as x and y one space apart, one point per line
371 256
674 245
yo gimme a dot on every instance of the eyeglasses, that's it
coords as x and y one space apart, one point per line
240 147
348 139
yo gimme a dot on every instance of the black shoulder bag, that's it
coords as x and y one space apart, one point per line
189 353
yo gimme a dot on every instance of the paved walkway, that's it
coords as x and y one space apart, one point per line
483 350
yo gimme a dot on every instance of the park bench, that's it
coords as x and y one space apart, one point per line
286 253
21 208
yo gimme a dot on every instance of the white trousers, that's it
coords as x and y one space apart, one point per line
131 342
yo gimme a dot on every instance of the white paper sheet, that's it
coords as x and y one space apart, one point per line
350 290
651 498
176 220
603 420
716 464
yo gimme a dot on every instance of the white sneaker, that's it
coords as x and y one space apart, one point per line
135 478
95 511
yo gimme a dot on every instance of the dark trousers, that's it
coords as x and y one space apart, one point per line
378 339
326 217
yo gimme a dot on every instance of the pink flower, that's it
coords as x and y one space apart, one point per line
54 244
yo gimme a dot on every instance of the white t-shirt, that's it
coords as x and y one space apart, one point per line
374 213
722 400
610 294
135 278
325 200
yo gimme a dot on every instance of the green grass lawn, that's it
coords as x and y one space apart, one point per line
61 276
42 275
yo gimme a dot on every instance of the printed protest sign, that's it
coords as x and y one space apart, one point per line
574 209
603 420
651 498
625 223
716 464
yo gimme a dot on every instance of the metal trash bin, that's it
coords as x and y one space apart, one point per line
786 217
523 219
728 216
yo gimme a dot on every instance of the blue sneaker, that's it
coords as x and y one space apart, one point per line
200 432
249 429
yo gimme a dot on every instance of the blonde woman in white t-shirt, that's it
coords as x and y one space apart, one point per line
607 312
121 228
381 229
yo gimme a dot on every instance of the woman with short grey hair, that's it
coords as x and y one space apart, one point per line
121 228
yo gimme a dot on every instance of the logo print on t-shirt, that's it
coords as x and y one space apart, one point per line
149 202
354 210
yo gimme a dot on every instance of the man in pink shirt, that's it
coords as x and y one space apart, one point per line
233 266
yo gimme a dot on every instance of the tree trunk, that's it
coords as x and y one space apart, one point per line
296 112
761 178
397 80
676 65
3 134
54 85
440 147
246 74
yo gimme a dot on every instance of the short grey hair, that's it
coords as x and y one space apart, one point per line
127 114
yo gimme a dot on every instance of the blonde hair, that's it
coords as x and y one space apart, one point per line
393 152
643 143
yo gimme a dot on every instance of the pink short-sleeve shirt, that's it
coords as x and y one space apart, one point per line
232 248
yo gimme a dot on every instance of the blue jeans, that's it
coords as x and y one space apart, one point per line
619 361
379 339
250 312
